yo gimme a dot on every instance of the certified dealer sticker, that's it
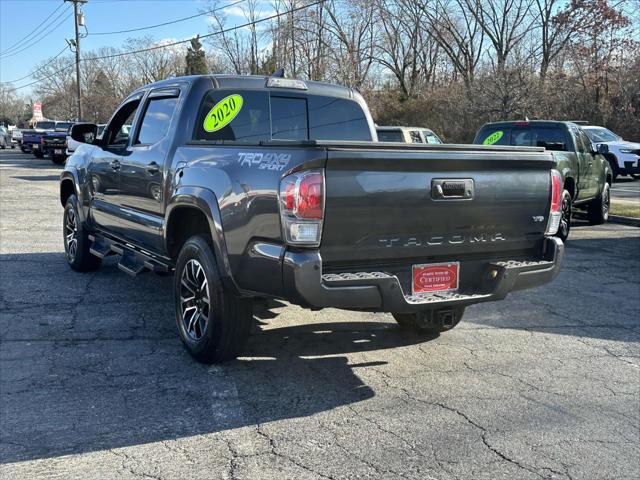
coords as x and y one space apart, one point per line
435 277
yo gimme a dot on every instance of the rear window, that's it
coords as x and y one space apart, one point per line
45 125
390 136
548 137
252 116
63 126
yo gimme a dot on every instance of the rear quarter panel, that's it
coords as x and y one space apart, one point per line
245 182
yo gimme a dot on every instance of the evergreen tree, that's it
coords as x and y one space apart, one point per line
196 64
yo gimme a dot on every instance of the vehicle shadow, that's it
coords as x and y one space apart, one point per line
22 160
96 364
38 178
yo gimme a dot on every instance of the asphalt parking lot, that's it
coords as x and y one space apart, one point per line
626 190
94 382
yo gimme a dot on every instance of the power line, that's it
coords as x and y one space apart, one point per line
42 79
11 47
158 47
170 22
219 32
39 68
42 36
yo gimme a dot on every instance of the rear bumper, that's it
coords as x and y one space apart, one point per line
51 150
306 285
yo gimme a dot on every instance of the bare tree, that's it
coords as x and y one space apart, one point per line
406 48
505 23
351 28
557 23
459 34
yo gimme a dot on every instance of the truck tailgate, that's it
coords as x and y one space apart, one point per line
394 204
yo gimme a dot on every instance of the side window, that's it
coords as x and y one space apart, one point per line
117 133
289 118
337 119
414 135
244 117
586 142
582 148
430 137
156 120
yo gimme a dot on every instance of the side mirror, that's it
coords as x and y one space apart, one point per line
602 148
84 132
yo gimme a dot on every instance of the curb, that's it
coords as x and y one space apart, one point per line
634 222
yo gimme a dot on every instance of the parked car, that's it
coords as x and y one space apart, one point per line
254 187
16 137
623 156
5 138
586 174
407 135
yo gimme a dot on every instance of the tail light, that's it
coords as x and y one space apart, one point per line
302 207
555 212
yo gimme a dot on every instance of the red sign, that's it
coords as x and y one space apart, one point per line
37 111
436 277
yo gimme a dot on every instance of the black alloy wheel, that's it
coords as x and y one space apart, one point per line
70 234
195 299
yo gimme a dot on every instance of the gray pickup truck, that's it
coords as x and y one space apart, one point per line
251 187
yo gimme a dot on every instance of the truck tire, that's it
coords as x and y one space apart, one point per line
566 208
598 209
38 154
76 239
429 323
58 160
613 163
213 323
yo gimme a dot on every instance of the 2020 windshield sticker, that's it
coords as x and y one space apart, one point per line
493 138
222 113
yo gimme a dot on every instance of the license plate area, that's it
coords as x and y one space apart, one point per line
57 151
435 277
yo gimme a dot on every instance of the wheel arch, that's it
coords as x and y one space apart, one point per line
570 186
68 186
193 211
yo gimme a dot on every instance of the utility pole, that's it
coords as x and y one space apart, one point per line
78 20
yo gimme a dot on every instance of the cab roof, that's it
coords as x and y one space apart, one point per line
257 82
524 123
400 128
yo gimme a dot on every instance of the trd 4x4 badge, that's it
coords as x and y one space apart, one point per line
264 161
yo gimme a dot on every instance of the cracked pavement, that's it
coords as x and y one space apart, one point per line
94 382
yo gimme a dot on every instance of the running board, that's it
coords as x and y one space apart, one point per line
132 260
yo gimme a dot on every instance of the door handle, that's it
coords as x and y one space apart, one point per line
153 168
115 165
